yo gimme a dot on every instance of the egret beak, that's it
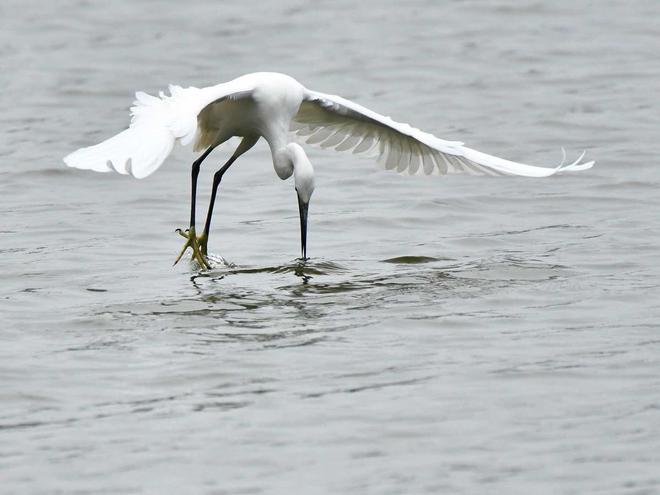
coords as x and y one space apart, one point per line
303 207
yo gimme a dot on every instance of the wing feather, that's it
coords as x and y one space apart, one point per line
157 123
406 155
350 142
335 122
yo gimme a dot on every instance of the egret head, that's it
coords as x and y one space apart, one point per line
303 176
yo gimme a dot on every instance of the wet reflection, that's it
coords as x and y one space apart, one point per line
300 271
304 302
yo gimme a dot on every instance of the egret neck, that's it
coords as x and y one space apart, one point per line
292 159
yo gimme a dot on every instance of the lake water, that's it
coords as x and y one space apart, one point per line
449 334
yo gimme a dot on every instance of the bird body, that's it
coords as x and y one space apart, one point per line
260 105
278 108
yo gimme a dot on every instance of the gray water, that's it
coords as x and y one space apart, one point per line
449 334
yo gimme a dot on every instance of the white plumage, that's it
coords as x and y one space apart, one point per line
277 108
324 120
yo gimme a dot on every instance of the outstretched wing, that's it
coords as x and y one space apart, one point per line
335 122
157 123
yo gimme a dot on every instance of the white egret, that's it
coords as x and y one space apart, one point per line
276 107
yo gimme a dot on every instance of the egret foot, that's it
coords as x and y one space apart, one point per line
202 240
198 246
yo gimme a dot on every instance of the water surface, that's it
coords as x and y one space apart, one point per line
449 335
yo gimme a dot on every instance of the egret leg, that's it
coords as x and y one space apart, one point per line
245 144
217 177
192 239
